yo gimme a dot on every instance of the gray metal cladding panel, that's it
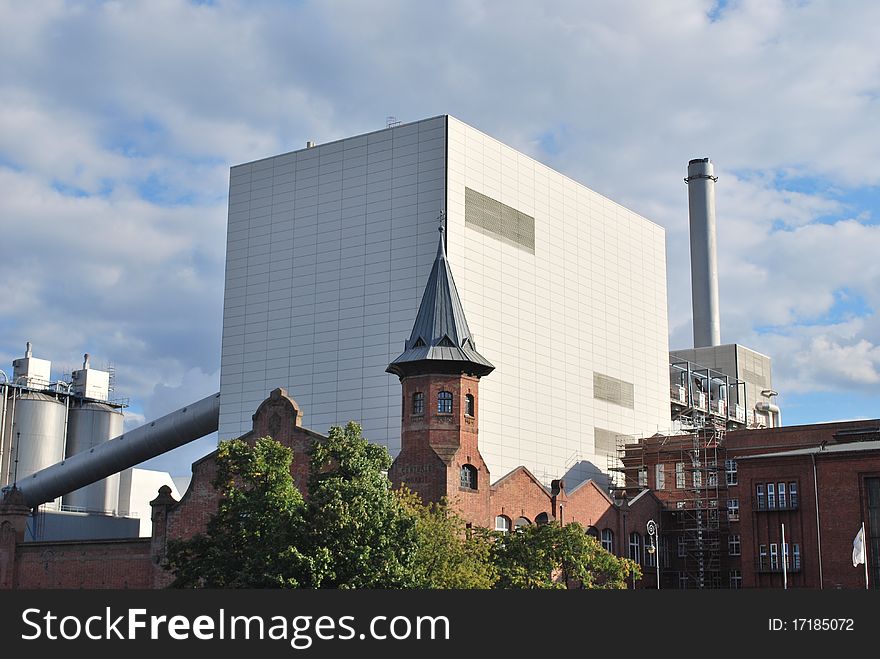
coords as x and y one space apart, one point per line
500 220
613 390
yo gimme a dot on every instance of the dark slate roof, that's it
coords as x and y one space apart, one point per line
440 339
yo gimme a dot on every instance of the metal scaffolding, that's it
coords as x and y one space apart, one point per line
690 468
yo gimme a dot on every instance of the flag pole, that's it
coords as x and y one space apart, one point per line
784 559
865 549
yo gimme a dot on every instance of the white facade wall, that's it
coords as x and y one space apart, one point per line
328 252
592 298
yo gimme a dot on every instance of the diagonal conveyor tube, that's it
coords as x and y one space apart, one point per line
147 441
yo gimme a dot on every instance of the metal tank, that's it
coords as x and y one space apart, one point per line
34 432
90 424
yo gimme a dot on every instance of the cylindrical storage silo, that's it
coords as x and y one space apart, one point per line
5 442
35 433
88 425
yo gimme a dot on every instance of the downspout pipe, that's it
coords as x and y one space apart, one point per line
155 438
818 532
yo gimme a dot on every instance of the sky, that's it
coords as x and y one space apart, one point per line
119 122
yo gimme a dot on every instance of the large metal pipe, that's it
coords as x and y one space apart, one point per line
704 263
120 453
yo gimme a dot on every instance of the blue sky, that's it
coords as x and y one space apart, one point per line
119 122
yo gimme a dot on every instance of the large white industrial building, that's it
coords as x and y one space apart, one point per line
328 252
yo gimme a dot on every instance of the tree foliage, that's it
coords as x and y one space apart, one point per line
358 531
355 532
253 539
448 554
554 556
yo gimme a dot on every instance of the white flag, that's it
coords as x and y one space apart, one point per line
859 547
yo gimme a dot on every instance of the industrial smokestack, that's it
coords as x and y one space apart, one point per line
704 263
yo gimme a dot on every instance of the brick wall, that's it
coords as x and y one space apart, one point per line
80 564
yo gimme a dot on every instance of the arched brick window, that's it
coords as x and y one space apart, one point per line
635 546
502 524
521 522
608 540
444 403
469 477
469 405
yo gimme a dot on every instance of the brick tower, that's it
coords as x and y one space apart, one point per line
440 371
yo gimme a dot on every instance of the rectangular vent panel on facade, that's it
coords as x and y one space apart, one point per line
499 220
613 390
604 441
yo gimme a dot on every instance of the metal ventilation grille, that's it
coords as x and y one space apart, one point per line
613 390
499 220
604 441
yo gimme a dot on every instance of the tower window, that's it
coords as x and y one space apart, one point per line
444 403
469 405
469 477
418 403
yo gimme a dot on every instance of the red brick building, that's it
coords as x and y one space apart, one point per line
727 495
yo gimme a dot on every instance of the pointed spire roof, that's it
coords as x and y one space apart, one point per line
441 341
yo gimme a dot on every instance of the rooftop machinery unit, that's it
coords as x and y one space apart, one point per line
43 423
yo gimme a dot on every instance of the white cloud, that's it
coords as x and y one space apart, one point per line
118 122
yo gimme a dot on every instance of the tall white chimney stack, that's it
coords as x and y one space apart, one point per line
704 262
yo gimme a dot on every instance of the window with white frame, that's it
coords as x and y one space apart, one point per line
771 496
713 473
796 556
679 475
759 496
444 402
762 557
736 579
697 476
418 403
608 540
502 524
733 544
730 470
643 477
774 556
793 495
733 510
635 546
780 493
659 477
468 477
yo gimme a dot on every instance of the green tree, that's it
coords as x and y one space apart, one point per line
448 554
253 540
554 556
358 531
